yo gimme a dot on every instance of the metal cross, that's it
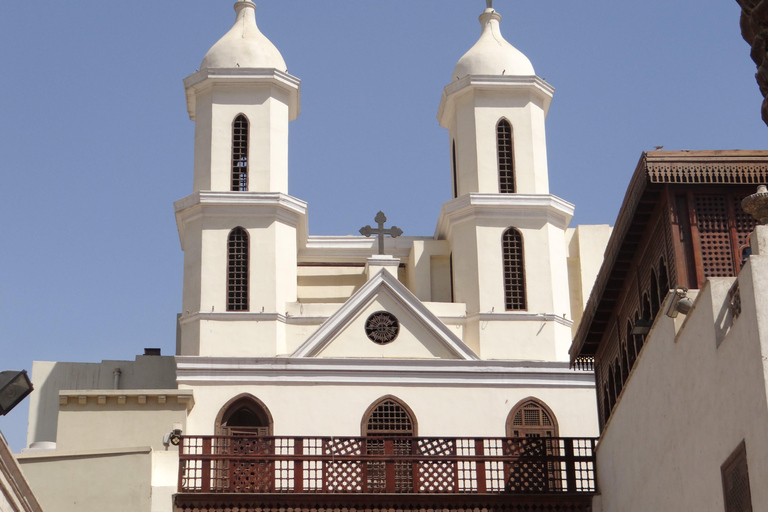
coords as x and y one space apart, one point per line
380 219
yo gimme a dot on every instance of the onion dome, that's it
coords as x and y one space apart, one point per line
244 45
491 54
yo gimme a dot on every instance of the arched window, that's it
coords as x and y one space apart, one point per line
240 154
631 345
455 171
506 157
389 417
514 270
654 294
237 270
244 415
531 418
663 279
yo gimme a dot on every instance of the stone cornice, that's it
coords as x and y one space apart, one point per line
122 397
509 207
192 370
520 316
207 78
283 207
532 84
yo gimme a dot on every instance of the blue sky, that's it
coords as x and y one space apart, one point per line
96 144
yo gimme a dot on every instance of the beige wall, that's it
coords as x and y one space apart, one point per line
117 481
689 403
146 372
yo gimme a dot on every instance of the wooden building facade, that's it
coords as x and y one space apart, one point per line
681 222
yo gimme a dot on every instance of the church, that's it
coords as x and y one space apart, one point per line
378 371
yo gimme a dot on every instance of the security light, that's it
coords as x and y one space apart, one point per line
680 303
14 387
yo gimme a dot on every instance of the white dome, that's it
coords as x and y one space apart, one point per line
244 45
491 54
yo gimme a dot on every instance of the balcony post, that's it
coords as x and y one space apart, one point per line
415 465
570 465
298 465
205 469
480 451
389 449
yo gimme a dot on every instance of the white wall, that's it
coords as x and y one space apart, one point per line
689 403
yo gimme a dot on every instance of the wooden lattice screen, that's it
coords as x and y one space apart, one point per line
506 157
514 270
389 418
532 419
240 154
237 270
735 474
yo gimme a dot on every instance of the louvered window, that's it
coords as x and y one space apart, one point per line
240 154
506 157
237 270
514 270
531 418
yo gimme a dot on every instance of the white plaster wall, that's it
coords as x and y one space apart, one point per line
413 341
586 249
210 329
266 108
478 281
337 410
477 112
689 403
329 284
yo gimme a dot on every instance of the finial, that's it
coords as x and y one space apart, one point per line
489 4
757 205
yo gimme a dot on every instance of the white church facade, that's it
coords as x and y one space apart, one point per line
443 345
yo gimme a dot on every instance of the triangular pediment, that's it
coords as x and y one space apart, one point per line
421 334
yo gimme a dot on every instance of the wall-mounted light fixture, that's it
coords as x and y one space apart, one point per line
680 303
14 387
174 436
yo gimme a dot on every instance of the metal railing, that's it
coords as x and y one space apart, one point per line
445 465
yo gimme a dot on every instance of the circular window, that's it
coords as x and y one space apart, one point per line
382 327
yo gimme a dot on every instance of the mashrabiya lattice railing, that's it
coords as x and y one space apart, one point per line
254 464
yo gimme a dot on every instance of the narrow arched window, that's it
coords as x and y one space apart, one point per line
237 270
389 417
455 171
514 270
240 154
506 157
531 418
655 302
663 280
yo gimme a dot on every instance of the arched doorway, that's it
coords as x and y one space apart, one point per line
244 424
389 424
244 415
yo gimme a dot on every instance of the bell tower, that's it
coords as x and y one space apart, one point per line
239 227
507 233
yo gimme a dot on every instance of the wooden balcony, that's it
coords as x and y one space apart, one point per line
313 472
